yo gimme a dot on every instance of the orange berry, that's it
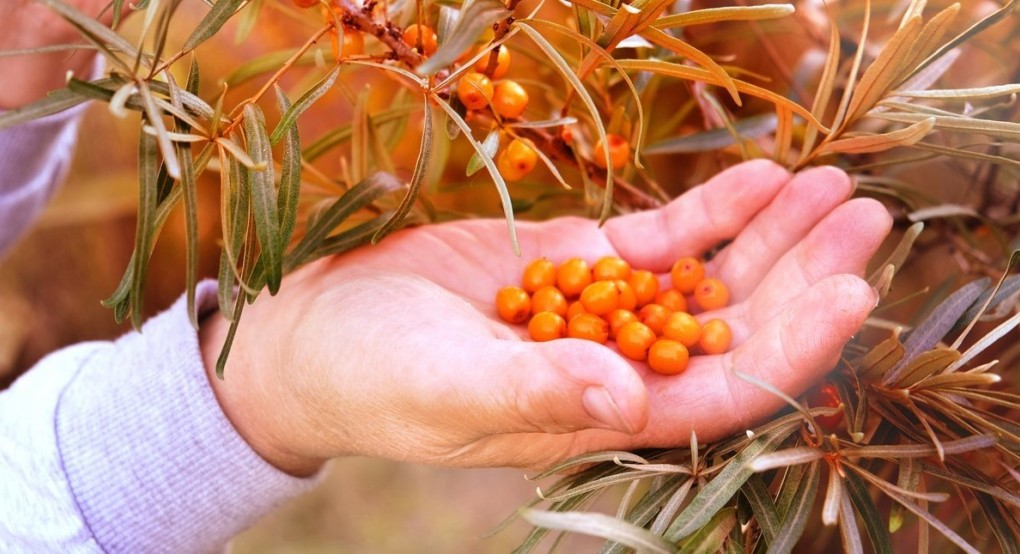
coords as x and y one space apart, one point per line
654 316
306 3
572 276
686 274
549 299
634 340
619 151
509 99
826 396
537 274
513 304
428 37
715 337
588 327
610 268
711 294
645 285
617 319
601 297
576 307
547 326
628 298
683 328
354 44
516 160
474 90
672 299
502 63
668 357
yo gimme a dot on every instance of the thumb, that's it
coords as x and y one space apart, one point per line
564 386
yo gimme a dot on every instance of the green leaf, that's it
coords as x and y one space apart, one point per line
290 174
351 238
420 171
710 538
155 117
881 542
722 487
340 135
248 21
489 147
235 195
93 30
796 518
56 101
188 184
264 199
880 142
220 13
600 525
474 20
996 517
729 13
849 532
290 117
764 508
148 171
753 127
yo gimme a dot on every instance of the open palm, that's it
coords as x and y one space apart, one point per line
400 348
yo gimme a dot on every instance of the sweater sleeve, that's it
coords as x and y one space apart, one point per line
122 447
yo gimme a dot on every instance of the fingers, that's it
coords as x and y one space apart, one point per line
801 204
790 352
563 386
699 219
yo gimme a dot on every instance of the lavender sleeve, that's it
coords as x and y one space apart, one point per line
118 446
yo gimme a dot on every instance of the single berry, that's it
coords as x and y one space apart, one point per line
474 91
711 294
634 340
549 299
575 308
588 327
645 285
686 274
715 337
354 44
513 304
547 326
572 276
509 99
429 40
668 357
537 274
610 268
502 63
628 298
654 316
601 297
683 328
826 396
619 151
672 299
617 319
516 160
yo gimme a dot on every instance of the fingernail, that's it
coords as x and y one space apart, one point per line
601 407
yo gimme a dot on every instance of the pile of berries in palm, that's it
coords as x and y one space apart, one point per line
608 300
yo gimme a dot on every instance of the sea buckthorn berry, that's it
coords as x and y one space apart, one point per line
572 276
668 357
306 3
576 307
610 268
672 299
513 304
601 297
474 90
654 316
588 327
686 274
502 63
715 337
509 99
547 326
537 274
628 298
634 340
619 151
429 39
683 328
617 319
711 294
354 44
549 299
645 285
826 396
516 160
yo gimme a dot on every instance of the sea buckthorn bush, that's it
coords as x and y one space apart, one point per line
351 120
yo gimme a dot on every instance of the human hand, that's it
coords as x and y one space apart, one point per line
28 25
396 351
